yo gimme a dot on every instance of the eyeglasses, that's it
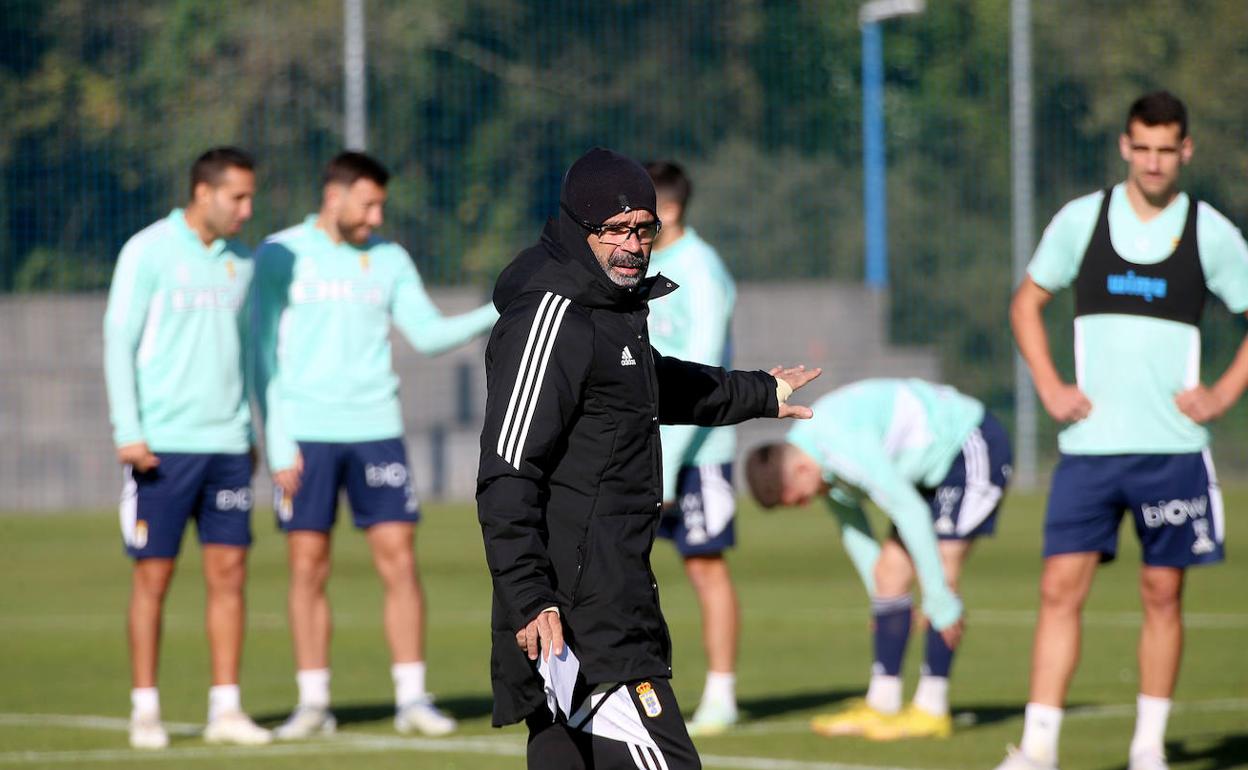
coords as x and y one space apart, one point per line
614 235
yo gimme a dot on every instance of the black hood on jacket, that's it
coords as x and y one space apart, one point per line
562 262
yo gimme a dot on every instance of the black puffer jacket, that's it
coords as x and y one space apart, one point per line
569 487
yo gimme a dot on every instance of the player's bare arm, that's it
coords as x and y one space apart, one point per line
1063 401
1203 403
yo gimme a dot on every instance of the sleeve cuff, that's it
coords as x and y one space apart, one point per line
943 611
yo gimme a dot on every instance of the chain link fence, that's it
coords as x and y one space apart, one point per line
477 106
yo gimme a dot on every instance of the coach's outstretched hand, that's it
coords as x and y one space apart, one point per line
545 629
795 377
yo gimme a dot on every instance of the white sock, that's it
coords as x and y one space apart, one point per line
145 701
409 682
1150 724
1041 727
932 695
313 687
721 686
884 693
223 698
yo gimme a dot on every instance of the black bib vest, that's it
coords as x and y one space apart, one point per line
1173 289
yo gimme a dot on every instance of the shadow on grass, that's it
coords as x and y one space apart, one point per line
1221 752
968 716
459 706
779 705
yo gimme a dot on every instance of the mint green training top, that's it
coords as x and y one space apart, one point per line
322 327
693 323
175 334
880 439
1131 367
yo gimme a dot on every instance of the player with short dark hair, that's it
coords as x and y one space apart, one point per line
1143 258
694 324
327 292
210 167
937 464
175 336
347 168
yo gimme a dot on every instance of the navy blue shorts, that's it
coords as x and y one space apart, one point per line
379 485
1174 499
215 489
966 503
701 523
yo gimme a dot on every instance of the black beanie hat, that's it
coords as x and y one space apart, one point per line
602 183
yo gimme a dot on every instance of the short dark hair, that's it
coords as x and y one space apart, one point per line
349 167
209 167
764 472
670 181
1158 108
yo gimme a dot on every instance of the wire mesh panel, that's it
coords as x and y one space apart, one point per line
478 106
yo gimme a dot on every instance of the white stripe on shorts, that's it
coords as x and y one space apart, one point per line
128 510
980 497
718 502
1215 498
617 720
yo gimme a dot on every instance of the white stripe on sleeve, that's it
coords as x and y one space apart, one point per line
529 377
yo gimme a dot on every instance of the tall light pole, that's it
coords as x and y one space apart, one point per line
1024 231
355 116
875 193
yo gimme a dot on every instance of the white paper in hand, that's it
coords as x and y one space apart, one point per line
558 678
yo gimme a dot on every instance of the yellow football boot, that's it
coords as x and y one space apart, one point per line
912 722
854 718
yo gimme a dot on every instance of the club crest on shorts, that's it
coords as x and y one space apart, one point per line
140 534
649 699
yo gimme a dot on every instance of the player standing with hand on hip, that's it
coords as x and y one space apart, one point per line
174 353
1143 258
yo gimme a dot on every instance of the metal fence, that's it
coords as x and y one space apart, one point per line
478 106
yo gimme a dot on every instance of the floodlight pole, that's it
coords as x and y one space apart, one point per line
355 115
875 189
1024 226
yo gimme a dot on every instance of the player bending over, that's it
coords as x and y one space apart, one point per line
937 464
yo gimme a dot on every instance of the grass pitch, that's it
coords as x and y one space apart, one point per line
64 679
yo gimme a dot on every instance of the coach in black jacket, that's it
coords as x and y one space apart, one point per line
569 487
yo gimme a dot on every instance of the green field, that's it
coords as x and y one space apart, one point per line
64 682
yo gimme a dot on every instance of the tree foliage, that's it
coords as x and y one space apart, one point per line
478 106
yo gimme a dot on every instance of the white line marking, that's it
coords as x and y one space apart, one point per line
767 763
89 722
966 718
503 745
340 743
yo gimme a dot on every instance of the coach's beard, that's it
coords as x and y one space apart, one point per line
626 268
